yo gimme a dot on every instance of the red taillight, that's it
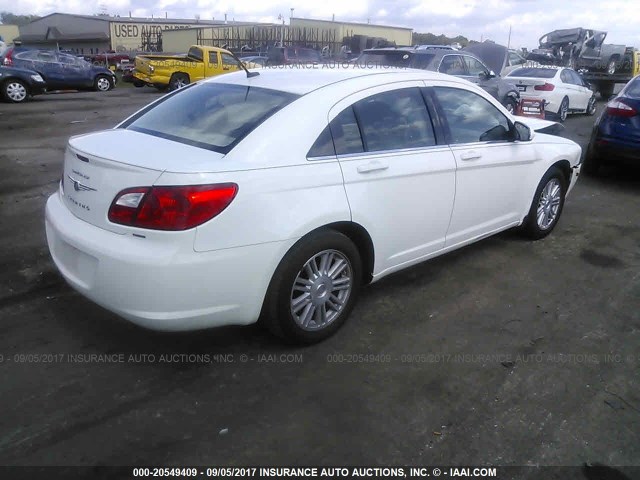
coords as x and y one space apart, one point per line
618 108
171 208
8 59
547 87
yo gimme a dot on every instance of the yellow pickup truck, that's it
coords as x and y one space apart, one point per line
176 71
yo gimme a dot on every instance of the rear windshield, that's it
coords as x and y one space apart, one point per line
400 58
533 72
215 116
632 90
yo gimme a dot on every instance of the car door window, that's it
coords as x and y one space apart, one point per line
28 55
323 146
565 76
472 118
213 59
395 120
515 59
47 57
228 60
474 66
576 79
452 65
346 133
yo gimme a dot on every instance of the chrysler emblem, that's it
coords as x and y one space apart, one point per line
79 187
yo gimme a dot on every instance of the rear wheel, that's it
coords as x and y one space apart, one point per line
314 288
591 106
612 66
592 162
15 91
563 112
178 80
103 83
547 204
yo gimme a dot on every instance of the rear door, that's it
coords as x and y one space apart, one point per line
492 171
213 64
400 182
574 89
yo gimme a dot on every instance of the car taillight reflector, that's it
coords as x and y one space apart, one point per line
171 208
8 59
618 108
547 87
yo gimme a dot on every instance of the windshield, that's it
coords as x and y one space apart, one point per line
533 72
215 116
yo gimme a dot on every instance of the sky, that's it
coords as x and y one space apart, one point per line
474 19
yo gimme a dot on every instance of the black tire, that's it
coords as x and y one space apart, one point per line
532 227
592 162
178 80
15 91
102 83
277 313
511 105
606 90
563 111
138 83
591 106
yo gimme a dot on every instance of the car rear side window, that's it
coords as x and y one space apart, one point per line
452 65
215 116
471 118
395 120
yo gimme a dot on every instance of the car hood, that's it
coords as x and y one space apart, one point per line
492 54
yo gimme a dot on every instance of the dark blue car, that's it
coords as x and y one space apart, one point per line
62 71
616 133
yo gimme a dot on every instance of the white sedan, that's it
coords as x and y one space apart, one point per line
277 197
563 90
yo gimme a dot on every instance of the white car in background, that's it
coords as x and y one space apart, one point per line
563 89
277 195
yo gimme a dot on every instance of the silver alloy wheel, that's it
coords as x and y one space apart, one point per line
103 84
564 110
510 108
591 107
549 204
181 83
611 68
321 290
16 91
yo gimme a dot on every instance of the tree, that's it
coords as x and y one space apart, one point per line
9 18
431 39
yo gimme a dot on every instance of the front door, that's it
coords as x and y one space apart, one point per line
492 170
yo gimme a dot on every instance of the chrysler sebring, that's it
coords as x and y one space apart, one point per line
276 197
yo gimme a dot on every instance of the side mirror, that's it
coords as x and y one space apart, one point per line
523 132
487 75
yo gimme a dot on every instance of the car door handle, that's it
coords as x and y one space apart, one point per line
470 155
372 167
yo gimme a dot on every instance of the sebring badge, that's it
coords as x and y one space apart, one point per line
79 187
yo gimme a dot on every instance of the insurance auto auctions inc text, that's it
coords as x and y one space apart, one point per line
376 472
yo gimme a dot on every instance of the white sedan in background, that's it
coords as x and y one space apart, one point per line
563 90
277 196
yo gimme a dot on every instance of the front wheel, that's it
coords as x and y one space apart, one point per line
547 205
510 104
103 83
314 288
15 91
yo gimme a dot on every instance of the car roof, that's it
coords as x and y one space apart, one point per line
303 79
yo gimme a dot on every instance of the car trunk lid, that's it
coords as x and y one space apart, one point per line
526 85
98 166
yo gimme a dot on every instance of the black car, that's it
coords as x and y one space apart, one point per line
18 84
62 71
445 60
615 138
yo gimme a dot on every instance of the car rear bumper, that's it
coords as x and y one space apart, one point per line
612 149
159 285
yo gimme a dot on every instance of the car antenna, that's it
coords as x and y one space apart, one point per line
242 65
